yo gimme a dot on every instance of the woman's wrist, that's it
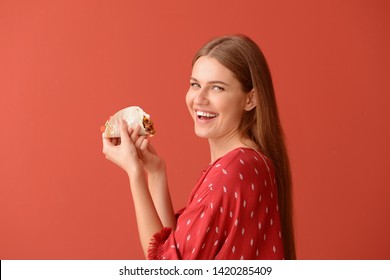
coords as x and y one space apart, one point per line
158 178
158 171
135 172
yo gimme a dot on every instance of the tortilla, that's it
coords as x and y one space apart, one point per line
133 115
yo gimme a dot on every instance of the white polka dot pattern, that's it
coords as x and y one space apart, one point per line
232 213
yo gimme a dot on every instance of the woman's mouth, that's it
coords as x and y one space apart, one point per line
205 115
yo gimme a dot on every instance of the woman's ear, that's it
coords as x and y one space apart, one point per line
250 101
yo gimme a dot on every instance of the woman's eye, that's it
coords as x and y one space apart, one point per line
194 85
217 88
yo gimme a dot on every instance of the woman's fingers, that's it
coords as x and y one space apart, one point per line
124 133
134 133
139 141
144 145
115 141
122 151
130 147
107 146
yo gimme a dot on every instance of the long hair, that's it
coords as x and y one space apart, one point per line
244 58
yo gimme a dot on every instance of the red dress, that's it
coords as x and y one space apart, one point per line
232 213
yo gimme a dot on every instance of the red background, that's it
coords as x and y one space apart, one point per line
66 66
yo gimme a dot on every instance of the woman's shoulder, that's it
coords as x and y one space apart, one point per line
240 156
240 170
241 160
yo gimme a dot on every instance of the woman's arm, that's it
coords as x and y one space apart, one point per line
159 191
148 221
127 156
158 183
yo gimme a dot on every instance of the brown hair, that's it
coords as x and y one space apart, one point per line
244 58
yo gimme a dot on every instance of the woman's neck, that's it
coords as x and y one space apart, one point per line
220 147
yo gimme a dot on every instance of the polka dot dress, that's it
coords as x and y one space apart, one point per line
232 213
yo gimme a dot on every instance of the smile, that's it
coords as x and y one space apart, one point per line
203 115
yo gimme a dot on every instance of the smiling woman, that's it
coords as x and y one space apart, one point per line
217 99
240 207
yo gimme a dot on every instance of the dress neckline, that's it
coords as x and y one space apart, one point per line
258 151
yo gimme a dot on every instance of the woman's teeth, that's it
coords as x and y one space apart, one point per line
207 115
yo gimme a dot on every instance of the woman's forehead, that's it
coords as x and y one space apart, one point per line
208 69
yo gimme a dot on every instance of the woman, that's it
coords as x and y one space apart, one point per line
241 206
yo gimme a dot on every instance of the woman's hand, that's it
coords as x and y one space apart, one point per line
152 202
123 151
132 152
153 164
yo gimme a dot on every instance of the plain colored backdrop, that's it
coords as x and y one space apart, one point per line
66 66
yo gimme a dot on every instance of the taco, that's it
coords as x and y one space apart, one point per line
133 115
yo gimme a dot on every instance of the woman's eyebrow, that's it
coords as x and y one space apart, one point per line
218 82
211 82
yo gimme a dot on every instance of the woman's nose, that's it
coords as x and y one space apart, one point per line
201 97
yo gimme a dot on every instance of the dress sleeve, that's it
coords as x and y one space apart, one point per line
198 234
155 247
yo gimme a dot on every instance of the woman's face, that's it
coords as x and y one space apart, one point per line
215 100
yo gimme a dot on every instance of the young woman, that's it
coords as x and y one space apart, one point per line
241 206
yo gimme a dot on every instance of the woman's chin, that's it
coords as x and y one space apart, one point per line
201 133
